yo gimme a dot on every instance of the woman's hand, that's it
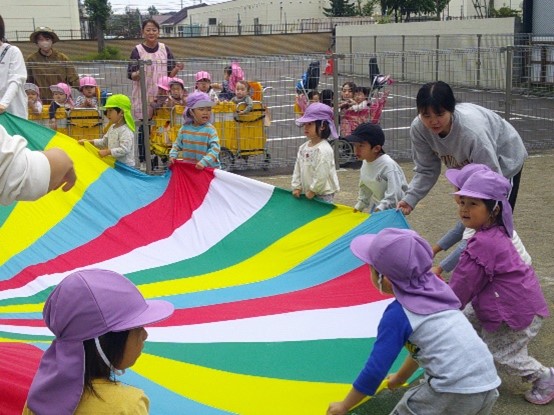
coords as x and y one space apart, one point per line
310 194
104 152
199 166
296 192
135 76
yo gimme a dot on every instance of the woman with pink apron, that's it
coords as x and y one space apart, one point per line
163 64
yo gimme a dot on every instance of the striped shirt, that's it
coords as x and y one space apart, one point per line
197 143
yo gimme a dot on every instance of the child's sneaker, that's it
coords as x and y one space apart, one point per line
543 389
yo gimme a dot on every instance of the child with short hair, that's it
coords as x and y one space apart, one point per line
203 84
34 102
118 141
197 140
459 372
242 98
361 95
87 87
61 94
382 181
313 96
508 305
314 173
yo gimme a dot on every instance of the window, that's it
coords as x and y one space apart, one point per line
212 21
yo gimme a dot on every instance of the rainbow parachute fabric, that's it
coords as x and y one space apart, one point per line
274 315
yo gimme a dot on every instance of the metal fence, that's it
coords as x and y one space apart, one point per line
503 79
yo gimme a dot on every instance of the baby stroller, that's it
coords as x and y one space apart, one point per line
308 83
378 93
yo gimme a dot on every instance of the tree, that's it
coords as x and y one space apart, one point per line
403 9
152 11
505 12
367 8
340 8
99 12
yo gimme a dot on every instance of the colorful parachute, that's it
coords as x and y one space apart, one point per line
274 314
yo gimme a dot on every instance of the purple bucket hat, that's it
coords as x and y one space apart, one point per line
459 176
490 185
85 305
319 112
197 99
405 258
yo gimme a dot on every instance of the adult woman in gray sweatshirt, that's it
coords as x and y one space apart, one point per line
458 134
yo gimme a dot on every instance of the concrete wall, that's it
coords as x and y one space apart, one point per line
437 49
24 15
268 12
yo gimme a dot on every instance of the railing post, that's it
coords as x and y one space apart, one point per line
437 47
403 57
509 76
335 58
479 60
145 118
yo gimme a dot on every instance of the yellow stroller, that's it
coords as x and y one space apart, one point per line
242 136
85 123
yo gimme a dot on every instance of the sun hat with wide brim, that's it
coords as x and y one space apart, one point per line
44 30
123 103
85 305
459 176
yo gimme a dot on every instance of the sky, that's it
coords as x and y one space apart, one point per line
163 6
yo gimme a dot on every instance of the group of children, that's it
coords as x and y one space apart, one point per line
489 311
197 140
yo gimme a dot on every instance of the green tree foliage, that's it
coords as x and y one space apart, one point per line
505 12
404 9
340 8
367 8
152 11
99 12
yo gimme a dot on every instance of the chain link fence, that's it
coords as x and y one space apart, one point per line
515 81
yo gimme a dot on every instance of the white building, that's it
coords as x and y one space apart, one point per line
22 17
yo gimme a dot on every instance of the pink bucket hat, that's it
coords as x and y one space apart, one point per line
405 258
489 185
85 305
163 82
61 87
176 81
459 176
203 75
86 81
64 89
319 112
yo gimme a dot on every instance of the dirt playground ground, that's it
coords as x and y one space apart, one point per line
437 213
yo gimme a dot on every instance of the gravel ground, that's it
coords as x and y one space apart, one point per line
435 215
